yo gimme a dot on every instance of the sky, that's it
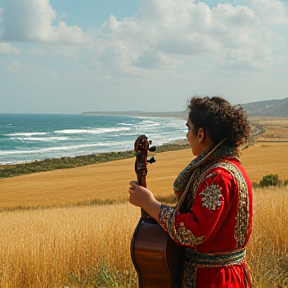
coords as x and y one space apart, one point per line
71 56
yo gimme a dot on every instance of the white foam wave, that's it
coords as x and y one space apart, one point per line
150 123
80 138
41 139
91 131
27 134
61 148
125 124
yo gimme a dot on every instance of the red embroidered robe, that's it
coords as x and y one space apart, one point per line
220 221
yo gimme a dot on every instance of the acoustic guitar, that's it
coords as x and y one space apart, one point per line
156 257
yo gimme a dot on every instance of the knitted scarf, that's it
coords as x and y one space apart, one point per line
187 177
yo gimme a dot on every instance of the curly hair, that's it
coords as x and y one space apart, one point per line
220 120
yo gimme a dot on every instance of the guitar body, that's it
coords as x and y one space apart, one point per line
157 258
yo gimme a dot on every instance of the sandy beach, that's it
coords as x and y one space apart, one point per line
110 180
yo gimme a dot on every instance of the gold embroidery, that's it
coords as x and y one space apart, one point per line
242 217
165 216
211 197
181 234
187 236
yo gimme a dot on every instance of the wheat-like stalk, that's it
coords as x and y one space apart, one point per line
90 246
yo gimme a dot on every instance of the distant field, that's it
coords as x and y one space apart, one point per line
110 180
276 129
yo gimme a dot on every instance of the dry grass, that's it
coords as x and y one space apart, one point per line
67 247
110 180
266 158
268 249
276 129
102 181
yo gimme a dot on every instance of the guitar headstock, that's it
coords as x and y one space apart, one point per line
141 148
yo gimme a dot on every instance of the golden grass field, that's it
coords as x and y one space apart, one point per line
67 247
110 180
89 246
276 128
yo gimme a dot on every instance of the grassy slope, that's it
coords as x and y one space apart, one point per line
110 180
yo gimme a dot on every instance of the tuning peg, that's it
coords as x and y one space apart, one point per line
151 160
152 149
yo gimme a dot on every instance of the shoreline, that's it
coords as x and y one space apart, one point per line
50 164
90 136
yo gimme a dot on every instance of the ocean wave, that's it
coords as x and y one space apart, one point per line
125 124
60 148
150 123
26 134
40 139
91 131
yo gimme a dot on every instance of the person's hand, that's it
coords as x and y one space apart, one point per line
144 198
139 195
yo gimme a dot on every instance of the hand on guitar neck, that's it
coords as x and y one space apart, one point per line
144 198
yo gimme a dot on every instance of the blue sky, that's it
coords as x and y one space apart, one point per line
70 56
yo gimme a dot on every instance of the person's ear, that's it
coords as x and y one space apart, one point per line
201 134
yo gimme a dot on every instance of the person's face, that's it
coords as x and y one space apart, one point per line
195 138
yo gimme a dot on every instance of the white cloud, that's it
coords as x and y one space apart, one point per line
49 50
243 60
171 31
6 48
271 12
164 34
34 21
153 59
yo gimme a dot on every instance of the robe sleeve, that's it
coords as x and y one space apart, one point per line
211 200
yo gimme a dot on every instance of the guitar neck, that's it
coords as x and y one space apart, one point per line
144 214
142 182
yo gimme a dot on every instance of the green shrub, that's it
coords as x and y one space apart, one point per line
270 180
255 184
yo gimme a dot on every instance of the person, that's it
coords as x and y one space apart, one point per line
213 216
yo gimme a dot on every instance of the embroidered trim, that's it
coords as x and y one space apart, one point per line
187 236
180 234
204 260
212 197
165 215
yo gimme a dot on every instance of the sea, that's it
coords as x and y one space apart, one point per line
33 137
